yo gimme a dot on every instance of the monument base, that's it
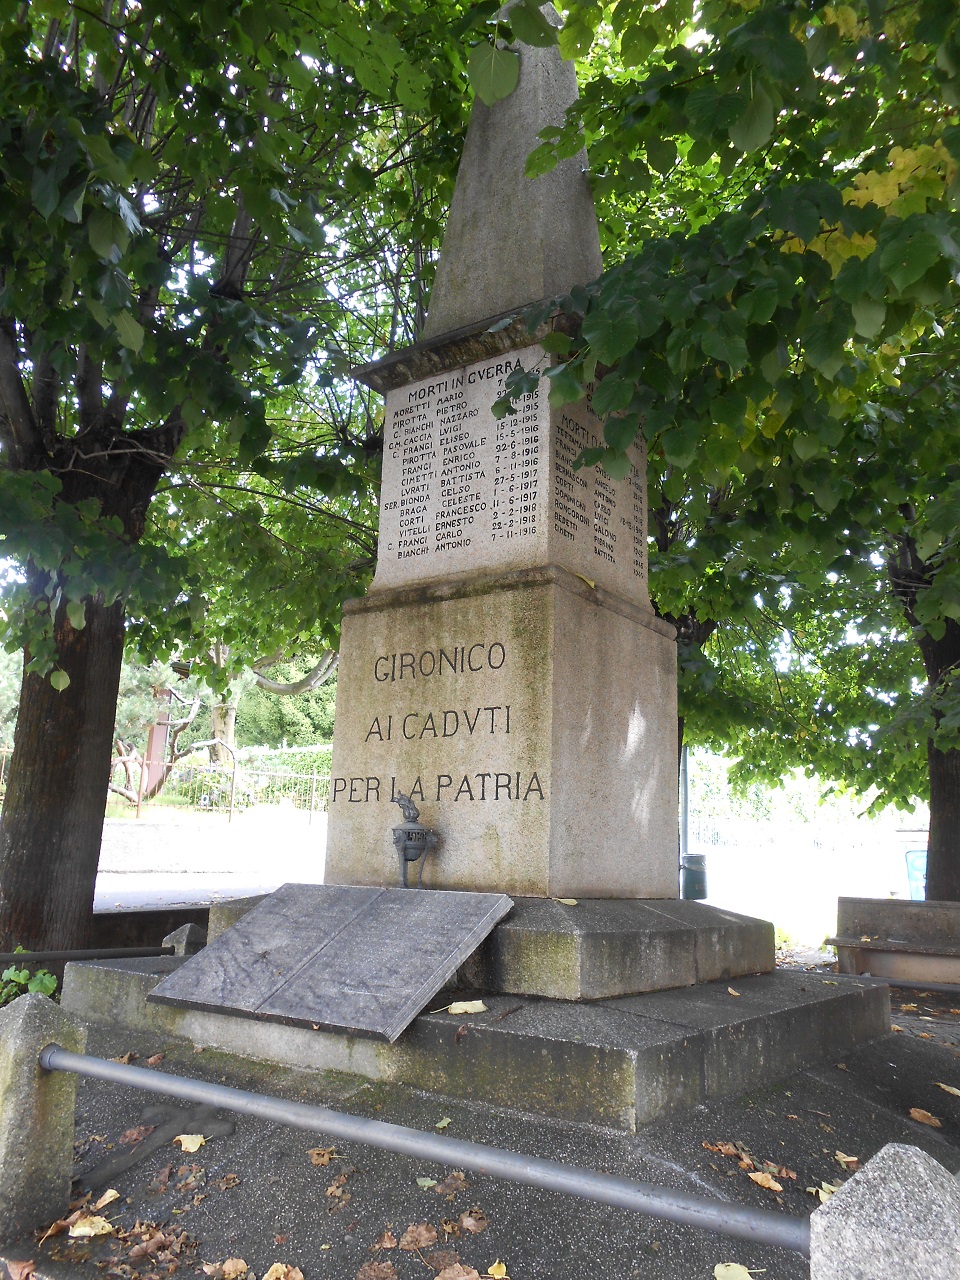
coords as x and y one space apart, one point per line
618 1063
595 948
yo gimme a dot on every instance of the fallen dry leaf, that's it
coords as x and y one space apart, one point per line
108 1197
90 1225
948 1088
467 1006
451 1184
731 991
474 1221
20 1270
387 1240
190 1142
458 1272
130 1136
846 1162
281 1271
153 1244
764 1180
908 1008
322 1155
227 1182
497 1270
924 1117
125 1058
155 1059
567 902
419 1235
234 1268
731 1271
449 1227
377 1271
441 1259
443 1124
426 1183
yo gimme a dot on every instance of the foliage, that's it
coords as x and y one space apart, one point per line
201 210
273 719
778 190
11 665
17 982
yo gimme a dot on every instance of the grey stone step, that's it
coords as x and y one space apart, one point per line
602 947
619 1063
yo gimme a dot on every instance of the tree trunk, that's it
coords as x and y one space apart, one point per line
943 864
52 822
223 725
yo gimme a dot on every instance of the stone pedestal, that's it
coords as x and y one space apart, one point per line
532 719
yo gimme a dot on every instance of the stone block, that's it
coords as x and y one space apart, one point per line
601 948
553 242
36 1115
187 940
898 1216
526 717
225 914
896 938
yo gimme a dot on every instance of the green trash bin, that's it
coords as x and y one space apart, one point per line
693 875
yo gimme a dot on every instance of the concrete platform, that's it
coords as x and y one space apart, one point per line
619 1063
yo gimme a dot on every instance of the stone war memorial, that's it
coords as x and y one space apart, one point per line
506 684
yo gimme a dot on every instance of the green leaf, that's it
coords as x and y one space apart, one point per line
102 229
611 334
531 26
60 680
493 72
129 331
729 347
755 126
45 190
77 614
868 316
637 43
558 344
565 386
661 154
616 465
613 394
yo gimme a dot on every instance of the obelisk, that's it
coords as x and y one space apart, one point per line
506 670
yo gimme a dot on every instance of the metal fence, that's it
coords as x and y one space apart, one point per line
230 789
210 788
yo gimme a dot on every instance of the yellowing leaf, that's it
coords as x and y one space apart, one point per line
234 1268
280 1271
593 586
497 1270
730 1271
948 1088
467 1006
765 1180
568 902
108 1197
924 1117
426 1183
90 1225
824 1191
442 1124
190 1142
846 1162
731 991
321 1155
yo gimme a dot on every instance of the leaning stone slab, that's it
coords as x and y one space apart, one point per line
187 940
36 1115
898 1217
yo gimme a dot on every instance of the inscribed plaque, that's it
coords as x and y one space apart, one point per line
343 958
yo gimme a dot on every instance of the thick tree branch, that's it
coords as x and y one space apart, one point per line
321 672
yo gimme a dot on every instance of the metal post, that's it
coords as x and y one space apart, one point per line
313 795
760 1226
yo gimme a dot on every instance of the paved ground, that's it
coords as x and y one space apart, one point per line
252 1192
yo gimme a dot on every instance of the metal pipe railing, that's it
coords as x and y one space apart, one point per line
761 1226
97 953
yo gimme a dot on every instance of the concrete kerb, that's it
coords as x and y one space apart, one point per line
36 1115
897 1216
